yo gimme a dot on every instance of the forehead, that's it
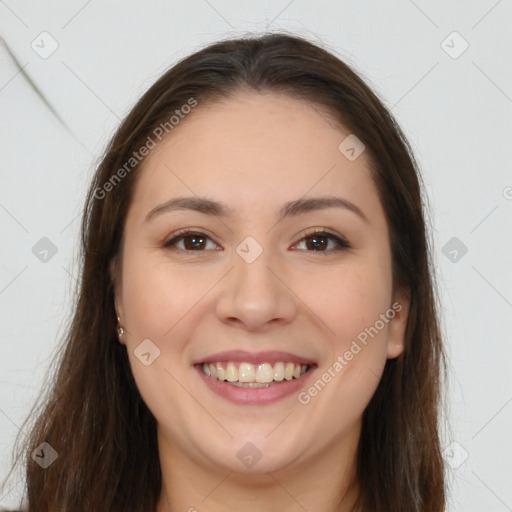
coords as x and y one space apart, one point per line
252 151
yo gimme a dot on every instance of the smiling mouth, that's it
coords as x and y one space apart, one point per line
247 375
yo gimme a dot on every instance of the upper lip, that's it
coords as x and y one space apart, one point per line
268 356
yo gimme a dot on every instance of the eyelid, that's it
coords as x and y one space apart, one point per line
340 240
178 235
342 244
323 230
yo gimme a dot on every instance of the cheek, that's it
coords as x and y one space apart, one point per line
156 302
165 304
156 297
352 305
349 299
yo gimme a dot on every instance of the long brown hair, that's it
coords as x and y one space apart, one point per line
93 415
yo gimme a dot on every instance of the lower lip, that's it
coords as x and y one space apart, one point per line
254 396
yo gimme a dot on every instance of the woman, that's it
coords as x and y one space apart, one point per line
256 321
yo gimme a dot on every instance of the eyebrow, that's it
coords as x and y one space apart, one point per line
290 209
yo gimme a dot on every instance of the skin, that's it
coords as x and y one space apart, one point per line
255 152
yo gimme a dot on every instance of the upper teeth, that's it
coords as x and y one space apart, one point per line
247 372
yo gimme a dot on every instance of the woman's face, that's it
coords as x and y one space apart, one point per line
258 283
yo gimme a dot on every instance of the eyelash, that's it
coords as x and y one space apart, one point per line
341 242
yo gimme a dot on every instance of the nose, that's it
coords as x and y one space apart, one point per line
256 295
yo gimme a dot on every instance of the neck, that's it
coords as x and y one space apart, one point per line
324 482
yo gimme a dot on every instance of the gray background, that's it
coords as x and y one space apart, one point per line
454 105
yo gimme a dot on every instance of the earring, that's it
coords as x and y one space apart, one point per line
120 330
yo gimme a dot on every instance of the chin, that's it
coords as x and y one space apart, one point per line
255 455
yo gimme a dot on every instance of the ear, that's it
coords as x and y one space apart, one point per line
398 314
115 276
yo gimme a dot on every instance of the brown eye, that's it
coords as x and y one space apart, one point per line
318 241
192 241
